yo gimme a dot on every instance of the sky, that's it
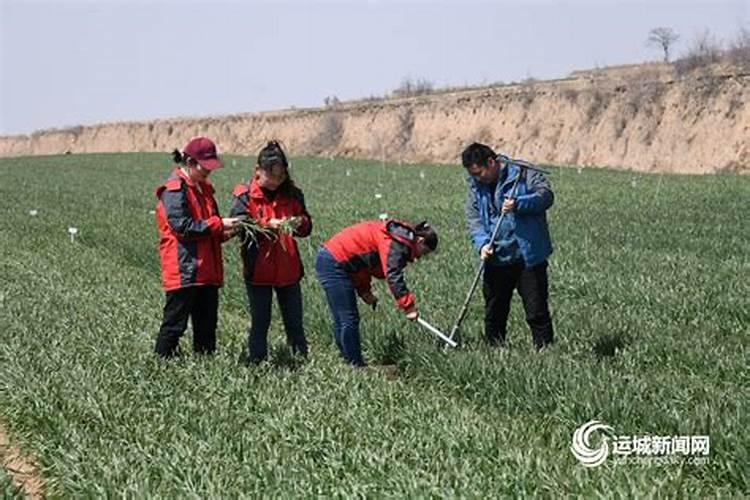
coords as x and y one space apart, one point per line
65 63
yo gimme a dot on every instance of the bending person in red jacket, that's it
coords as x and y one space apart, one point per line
347 262
190 236
272 199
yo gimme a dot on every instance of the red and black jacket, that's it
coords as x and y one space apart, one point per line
272 262
379 249
190 233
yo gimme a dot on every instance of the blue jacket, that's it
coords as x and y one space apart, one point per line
527 225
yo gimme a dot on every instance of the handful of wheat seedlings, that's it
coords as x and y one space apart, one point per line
251 231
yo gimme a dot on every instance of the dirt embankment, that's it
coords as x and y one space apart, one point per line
642 117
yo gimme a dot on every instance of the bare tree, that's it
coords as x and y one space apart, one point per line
739 50
331 101
412 88
664 38
703 52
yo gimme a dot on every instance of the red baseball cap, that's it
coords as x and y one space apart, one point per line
203 150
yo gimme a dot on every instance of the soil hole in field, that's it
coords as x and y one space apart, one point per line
391 372
388 351
21 469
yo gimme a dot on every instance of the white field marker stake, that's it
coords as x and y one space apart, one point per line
437 332
72 231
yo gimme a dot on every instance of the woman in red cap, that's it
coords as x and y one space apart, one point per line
273 263
347 262
191 232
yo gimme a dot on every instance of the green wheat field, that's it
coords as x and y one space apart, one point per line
650 293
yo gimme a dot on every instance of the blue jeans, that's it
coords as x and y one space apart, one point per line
259 300
342 300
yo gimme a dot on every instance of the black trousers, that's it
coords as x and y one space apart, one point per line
259 303
532 285
201 304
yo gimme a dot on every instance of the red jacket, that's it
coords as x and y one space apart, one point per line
190 233
379 249
274 262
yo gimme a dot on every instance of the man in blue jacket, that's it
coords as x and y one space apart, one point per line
517 259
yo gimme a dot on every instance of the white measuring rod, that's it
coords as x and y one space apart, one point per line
437 332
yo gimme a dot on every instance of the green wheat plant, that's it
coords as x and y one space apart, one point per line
649 288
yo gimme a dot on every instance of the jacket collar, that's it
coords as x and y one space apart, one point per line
255 189
509 170
256 192
206 186
403 233
507 176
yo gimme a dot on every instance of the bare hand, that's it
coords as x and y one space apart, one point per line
412 314
229 222
370 299
509 205
486 252
275 223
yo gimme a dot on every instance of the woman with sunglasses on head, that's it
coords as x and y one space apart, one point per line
191 232
271 262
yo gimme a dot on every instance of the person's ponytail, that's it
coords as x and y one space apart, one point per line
272 154
429 234
178 157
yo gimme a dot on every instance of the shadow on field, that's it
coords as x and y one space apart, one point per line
606 346
280 356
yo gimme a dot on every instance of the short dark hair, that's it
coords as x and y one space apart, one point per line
477 154
271 155
427 232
